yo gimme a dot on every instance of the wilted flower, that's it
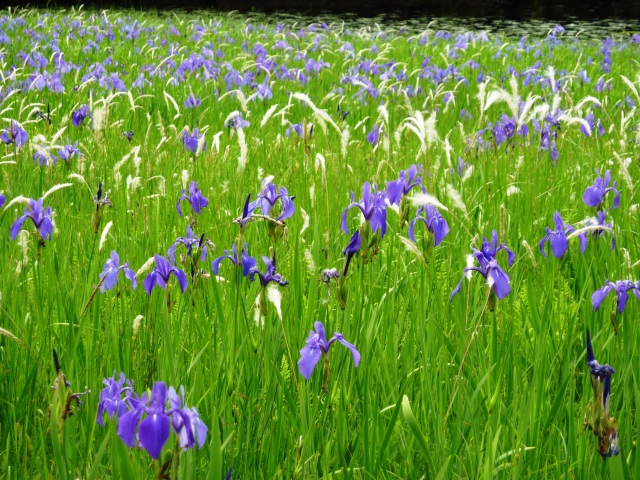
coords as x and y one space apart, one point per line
317 345
621 288
101 201
14 135
329 274
247 262
160 275
355 243
40 217
603 425
594 195
78 117
434 221
343 113
63 398
109 275
557 238
195 199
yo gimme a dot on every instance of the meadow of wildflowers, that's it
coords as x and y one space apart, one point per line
195 208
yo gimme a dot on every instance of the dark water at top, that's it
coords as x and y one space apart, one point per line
398 9
590 18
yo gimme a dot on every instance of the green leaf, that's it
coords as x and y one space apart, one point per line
417 432
215 462
96 461
392 423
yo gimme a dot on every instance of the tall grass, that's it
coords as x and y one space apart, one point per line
444 389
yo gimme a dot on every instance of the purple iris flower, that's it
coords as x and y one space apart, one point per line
599 221
128 134
604 426
621 288
43 160
462 166
497 279
189 414
40 217
248 262
237 122
191 101
247 213
270 274
296 127
69 151
409 178
351 249
594 195
263 91
14 134
160 275
111 270
557 238
192 140
372 207
584 77
153 432
590 119
317 345
436 224
374 135
268 197
2 199
190 241
504 129
111 400
491 248
78 117
329 274
195 199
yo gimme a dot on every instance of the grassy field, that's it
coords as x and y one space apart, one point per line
492 131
